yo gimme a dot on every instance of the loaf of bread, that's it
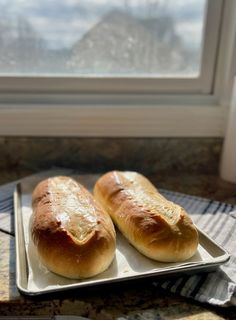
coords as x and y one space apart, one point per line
158 228
74 236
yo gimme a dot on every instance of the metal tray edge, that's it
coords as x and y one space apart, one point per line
21 259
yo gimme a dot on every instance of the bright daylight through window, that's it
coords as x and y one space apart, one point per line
158 38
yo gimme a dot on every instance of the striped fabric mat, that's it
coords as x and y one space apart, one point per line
217 219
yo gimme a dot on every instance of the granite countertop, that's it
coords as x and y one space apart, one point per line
132 300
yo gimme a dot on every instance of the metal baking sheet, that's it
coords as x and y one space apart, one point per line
32 278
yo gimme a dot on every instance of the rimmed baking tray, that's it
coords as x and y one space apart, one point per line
32 278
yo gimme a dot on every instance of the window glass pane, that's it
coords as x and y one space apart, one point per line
100 37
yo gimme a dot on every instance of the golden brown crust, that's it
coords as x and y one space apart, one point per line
158 228
74 236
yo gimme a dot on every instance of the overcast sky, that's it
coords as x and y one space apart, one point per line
62 22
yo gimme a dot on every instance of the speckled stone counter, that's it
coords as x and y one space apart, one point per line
188 166
149 155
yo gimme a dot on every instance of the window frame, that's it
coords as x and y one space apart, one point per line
61 111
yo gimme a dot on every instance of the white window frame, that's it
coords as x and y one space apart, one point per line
29 108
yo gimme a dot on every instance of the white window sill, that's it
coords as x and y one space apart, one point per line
114 116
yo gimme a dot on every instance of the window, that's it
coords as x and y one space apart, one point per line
140 41
118 67
102 38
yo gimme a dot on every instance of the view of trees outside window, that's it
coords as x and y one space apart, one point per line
101 38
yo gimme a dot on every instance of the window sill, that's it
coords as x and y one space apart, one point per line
113 116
